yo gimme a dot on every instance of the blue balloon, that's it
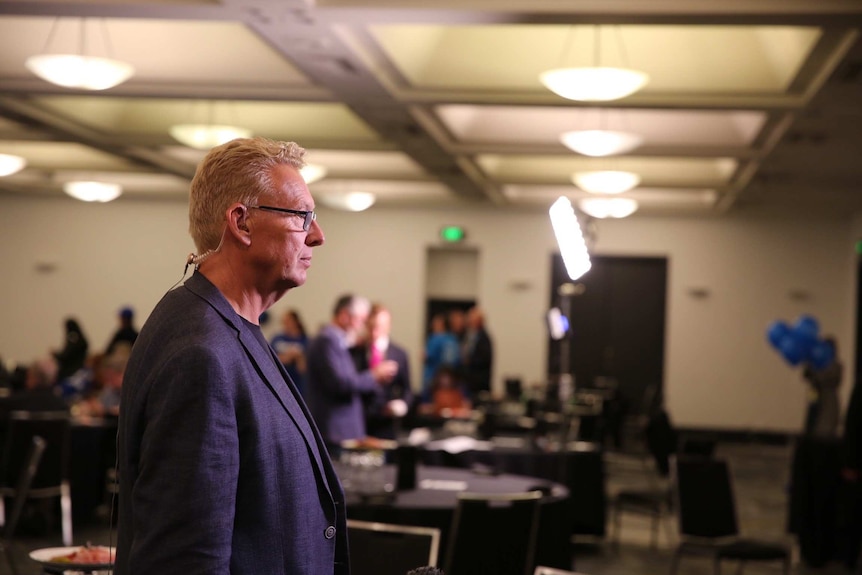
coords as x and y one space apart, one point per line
776 332
822 354
806 330
791 349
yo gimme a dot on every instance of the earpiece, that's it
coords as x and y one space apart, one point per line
197 259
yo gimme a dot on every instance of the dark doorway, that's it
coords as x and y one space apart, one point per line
439 305
617 319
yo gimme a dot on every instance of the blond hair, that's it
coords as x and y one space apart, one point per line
238 171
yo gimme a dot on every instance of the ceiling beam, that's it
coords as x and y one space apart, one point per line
330 63
28 112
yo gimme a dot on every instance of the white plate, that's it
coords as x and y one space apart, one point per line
373 445
45 556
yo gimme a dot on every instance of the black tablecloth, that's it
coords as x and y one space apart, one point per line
580 467
92 455
433 502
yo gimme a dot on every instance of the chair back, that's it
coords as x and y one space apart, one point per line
704 497
493 534
54 427
22 487
387 549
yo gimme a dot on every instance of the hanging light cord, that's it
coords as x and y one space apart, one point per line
597 47
50 35
109 47
567 45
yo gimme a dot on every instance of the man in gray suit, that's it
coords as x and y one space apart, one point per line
221 468
335 388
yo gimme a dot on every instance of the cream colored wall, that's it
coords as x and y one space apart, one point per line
719 369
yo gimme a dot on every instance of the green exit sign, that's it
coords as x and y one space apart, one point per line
452 234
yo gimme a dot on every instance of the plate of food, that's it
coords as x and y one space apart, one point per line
369 444
78 558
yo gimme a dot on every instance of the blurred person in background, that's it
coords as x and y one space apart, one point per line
73 355
457 323
477 353
40 391
290 345
388 404
824 408
103 398
441 349
335 388
448 397
851 473
127 332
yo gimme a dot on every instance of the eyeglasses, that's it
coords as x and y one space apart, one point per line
308 215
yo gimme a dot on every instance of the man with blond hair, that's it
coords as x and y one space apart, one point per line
222 470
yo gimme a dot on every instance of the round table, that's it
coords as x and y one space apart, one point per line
432 504
580 467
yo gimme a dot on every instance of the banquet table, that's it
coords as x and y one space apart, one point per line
577 465
432 504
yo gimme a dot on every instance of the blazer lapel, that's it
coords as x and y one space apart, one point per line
266 364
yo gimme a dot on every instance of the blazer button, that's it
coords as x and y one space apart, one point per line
330 532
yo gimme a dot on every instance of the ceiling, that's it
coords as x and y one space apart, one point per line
751 104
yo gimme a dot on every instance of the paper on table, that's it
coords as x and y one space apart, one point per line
457 444
443 484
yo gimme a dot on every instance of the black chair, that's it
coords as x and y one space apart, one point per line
493 534
387 549
653 501
52 476
22 489
707 517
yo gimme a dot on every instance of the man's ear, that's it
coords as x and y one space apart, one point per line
238 223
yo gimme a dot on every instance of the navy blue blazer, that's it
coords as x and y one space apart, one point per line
221 467
334 387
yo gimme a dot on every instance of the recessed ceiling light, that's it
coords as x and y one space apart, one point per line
606 181
90 191
206 136
83 72
596 84
608 207
312 173
10 164
350 201
599 143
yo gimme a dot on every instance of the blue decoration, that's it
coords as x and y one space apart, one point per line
822 354
776 332
791 349
806 330
801 342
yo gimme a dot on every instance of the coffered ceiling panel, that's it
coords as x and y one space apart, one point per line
749 103
537 125
155 116
702 59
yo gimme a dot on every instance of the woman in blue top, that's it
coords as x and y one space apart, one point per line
441 349
290 346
